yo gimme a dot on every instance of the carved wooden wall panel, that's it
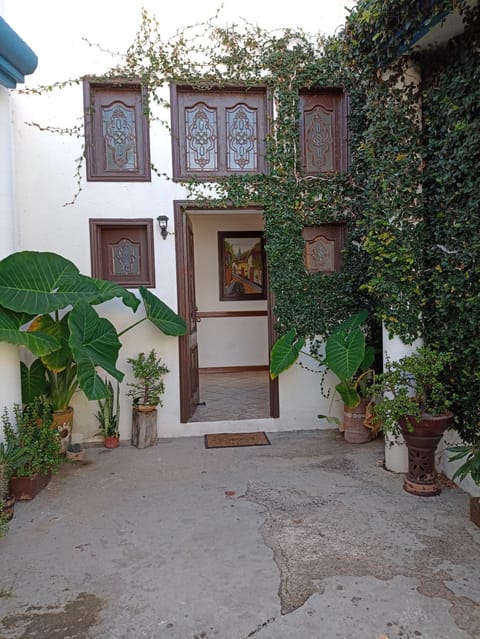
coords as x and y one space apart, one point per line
116 129
323 131
219 132
324 244
122 251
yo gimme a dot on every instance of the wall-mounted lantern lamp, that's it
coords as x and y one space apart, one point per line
163 223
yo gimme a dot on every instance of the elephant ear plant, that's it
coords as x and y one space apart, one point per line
48 307
347 355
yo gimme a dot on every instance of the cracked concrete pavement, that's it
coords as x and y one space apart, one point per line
309 538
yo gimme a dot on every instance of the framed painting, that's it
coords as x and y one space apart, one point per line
241 258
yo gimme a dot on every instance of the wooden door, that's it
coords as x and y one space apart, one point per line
188 344
192 323
189 375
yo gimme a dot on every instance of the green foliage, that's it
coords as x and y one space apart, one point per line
382 30
285 352
3 520
149 371
350 359
11 458
44 296
451 95
32 434
410 196
108 413
471 465
411 386
346 355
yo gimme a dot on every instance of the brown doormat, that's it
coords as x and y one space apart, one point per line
230 440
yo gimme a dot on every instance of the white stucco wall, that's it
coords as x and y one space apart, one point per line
44 181
9 370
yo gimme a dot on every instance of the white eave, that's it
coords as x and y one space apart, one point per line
441 32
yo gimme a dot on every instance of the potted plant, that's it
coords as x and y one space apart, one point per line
48 307
349 357
108 416
412 399
11 457
31 433
470 453
75 452
146 392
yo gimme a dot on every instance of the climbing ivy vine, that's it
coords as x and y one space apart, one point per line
409 198
451 136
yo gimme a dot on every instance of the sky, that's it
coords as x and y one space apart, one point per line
113 24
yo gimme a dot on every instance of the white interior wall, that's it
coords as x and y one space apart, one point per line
232 341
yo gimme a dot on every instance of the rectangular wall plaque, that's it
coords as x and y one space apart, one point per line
323 248
122 251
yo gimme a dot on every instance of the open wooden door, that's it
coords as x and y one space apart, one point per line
189 377
272 336
189 372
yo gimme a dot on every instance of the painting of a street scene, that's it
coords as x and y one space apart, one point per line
242 265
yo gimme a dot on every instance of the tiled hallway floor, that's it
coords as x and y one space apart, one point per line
231 396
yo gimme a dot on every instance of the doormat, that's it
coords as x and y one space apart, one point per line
231 440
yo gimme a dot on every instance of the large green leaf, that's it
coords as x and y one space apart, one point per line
94 342
344 353
368 358
285 352
348 393
108 290
355 321
10 331
162 315
36 283
33 380
56 360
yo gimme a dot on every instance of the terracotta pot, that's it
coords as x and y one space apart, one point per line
422 438
111 441
26 488
354 429
145 408
63 423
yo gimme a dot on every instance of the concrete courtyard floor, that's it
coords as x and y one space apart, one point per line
309 538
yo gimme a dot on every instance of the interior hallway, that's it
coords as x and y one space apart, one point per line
233 396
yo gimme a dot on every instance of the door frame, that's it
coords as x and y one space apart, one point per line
180 208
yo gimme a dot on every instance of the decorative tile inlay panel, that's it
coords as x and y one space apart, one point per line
323 131
219 132
122 251
320 254
241 138
319 137
117 145
324 244
125 257
119 135
201 137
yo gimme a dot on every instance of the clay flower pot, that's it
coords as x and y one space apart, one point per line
422 437
26 488
112 441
